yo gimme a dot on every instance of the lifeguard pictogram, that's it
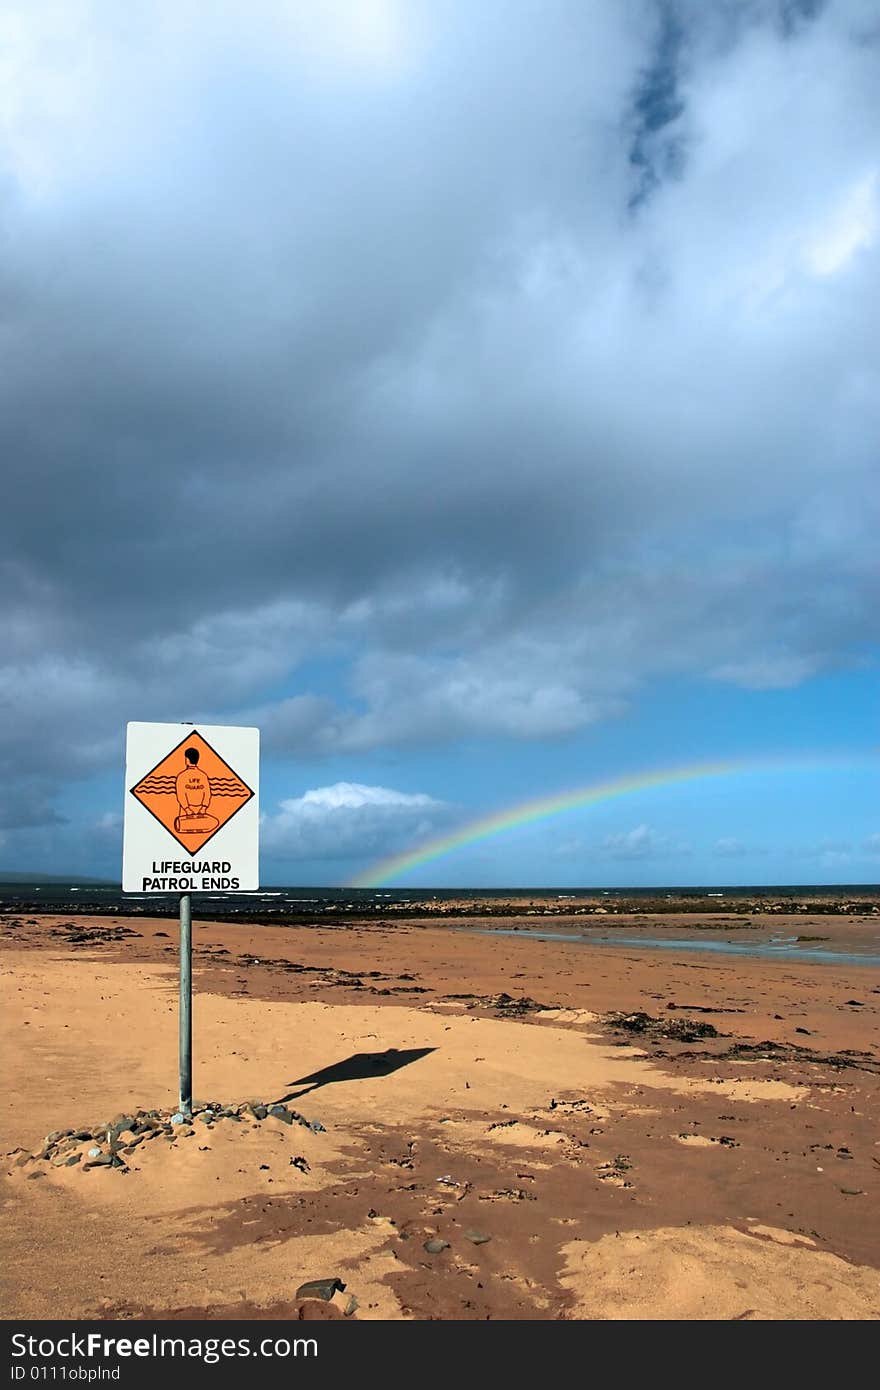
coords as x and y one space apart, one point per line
192 792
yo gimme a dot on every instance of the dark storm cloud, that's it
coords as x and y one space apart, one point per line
406 336
27 806
657 105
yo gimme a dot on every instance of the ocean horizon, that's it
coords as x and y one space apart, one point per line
80 895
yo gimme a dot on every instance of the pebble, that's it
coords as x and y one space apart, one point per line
94 1153
314 1125
477 1237
436 1247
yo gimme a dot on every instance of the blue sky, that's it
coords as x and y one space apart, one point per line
482 401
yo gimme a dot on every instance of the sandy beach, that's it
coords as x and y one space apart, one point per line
469 1124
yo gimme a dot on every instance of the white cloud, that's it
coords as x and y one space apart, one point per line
348 820
770 672
344 796
729 847
640 843
851 227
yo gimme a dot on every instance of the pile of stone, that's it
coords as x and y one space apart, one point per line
110 1145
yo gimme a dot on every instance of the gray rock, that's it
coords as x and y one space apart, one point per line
105 1161
178 1118
205 1117
314 1125
74 1158
436 1247
281 1112
351 1306
320 1288
259 1112
477 1237
95 1153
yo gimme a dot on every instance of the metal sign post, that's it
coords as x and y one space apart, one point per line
185 1049
192 825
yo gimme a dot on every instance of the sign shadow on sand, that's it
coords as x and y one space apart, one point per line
361 1066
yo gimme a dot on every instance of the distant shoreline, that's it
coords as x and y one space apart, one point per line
296 904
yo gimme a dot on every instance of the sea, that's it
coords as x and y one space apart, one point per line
296 902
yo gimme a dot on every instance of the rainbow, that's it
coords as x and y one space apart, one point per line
527 812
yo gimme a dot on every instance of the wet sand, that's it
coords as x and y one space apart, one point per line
640 1134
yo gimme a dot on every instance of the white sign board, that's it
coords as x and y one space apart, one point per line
192 812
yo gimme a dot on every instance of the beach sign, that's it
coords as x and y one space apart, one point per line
191 809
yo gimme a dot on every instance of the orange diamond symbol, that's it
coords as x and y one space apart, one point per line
192 792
